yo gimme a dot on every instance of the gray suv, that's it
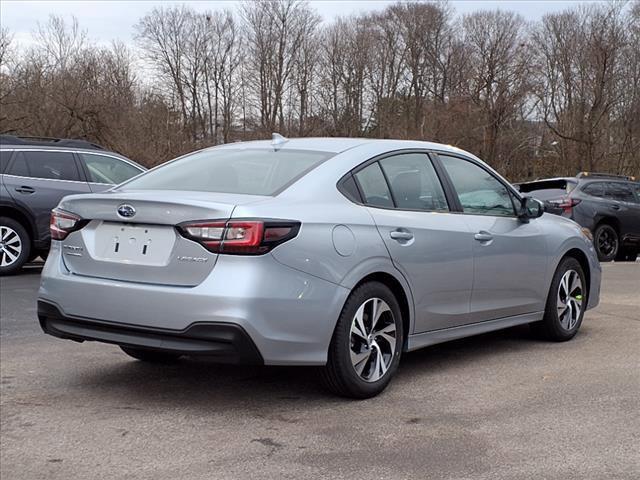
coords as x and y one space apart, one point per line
35 174
608 205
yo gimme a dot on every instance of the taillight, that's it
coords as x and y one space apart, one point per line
63 223
240 237
565 203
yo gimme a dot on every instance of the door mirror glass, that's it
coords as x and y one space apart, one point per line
531 208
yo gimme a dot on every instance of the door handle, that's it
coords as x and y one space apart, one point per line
25 189
401 235
483 236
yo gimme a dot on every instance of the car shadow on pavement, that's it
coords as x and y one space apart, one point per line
200 383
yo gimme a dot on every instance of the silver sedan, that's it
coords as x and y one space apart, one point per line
340 253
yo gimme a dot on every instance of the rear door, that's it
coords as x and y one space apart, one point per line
429 245
38 179
104 171
510 258
624 207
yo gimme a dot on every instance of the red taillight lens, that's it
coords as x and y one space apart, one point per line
63 223
248 237
566 203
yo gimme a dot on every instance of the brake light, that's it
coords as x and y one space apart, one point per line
240 237
63 223
565 203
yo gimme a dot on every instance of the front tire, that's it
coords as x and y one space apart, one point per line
566 303
150 356
606 241
367 343
15 246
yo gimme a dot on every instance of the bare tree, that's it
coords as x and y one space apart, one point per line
274 31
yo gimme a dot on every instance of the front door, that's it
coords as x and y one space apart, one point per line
510 260
37 181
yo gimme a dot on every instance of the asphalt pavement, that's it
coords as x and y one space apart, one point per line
498 406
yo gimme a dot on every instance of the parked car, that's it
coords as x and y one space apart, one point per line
341 253
34 176
608 205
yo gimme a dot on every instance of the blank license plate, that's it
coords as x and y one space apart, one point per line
134 244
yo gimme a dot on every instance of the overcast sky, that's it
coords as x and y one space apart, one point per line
110 20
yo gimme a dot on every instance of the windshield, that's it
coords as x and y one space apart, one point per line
243 171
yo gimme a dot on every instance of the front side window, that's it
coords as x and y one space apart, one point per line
479 192
414 182
104 169
46 165
5 156
374 186
244 171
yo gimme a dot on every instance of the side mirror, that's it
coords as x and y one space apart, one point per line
530 208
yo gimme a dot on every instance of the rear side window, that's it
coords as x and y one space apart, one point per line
619 191
374 186
104 169
46 165
595 189
244 171
479 192
413 182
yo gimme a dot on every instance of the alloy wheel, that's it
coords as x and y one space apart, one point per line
607 242
570 298
373 339
10 246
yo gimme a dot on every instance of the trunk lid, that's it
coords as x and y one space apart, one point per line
144 246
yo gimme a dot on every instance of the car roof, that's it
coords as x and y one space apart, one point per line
340 144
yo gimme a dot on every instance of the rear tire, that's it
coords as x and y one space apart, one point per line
150 356
566 303
606 241
364 352
15 246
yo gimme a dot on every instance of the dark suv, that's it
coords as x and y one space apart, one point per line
608 205
34 176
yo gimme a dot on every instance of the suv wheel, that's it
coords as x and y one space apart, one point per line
566 303
15 246
367 343
606 241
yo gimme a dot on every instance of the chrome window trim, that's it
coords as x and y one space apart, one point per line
46 179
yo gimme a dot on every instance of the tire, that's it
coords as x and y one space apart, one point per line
15 246
561 322
150 356
362 375
606 242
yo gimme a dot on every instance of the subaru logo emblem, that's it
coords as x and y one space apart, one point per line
126 211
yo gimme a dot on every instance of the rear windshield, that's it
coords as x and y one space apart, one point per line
547 189
244 171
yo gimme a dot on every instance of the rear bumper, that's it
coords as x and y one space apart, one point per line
227 343
288 315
